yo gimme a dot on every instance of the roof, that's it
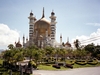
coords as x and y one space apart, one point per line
43 20
68 44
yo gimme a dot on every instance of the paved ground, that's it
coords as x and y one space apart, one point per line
77 71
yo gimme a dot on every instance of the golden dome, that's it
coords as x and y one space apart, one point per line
42 20
42 26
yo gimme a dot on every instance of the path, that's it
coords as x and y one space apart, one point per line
77 71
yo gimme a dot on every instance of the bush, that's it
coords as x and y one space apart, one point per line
69 66
56 66
32 63
61 64
49 63
93 62
72 62
81 62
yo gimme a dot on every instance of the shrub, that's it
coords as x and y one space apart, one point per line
61 64
69 66
81 62
71 62
93 62
32 63
56 66
49 63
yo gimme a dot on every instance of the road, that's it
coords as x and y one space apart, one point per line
77 71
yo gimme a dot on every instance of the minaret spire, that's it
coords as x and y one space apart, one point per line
43 13
67 39
61 39
19 40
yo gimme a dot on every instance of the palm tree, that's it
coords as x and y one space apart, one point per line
77 43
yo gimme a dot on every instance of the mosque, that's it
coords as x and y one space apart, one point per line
42 33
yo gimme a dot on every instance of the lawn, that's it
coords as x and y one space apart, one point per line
45 67
49 67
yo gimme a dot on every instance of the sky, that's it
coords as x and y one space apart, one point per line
76 19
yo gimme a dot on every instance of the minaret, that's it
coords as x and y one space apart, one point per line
19 40
68 39
27 40
32 20
43 13
53 27
61 39
23 41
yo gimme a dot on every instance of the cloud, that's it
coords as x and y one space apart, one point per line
7 36
93 24
92 38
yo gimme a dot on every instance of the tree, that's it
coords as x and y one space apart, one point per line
10 46
37 55
63 53
90 48
18 56
96 51
14 55
77 43
57 53
49 51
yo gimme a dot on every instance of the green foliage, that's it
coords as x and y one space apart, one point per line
46 67
1 61
94 50
32 63
72 62
77 43
10 46
81 62
50 54
13 55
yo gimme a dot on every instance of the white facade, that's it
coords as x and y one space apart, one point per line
49 36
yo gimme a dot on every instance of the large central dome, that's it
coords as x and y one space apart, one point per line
42 25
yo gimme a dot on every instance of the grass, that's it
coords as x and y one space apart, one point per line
49 67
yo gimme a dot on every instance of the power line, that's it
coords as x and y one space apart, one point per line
89 40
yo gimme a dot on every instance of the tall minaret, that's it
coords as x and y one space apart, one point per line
53 28
32 20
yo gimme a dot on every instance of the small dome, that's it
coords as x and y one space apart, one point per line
35 19
52 13
18 44
68 44
31 13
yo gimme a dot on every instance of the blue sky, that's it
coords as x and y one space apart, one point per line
75 18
